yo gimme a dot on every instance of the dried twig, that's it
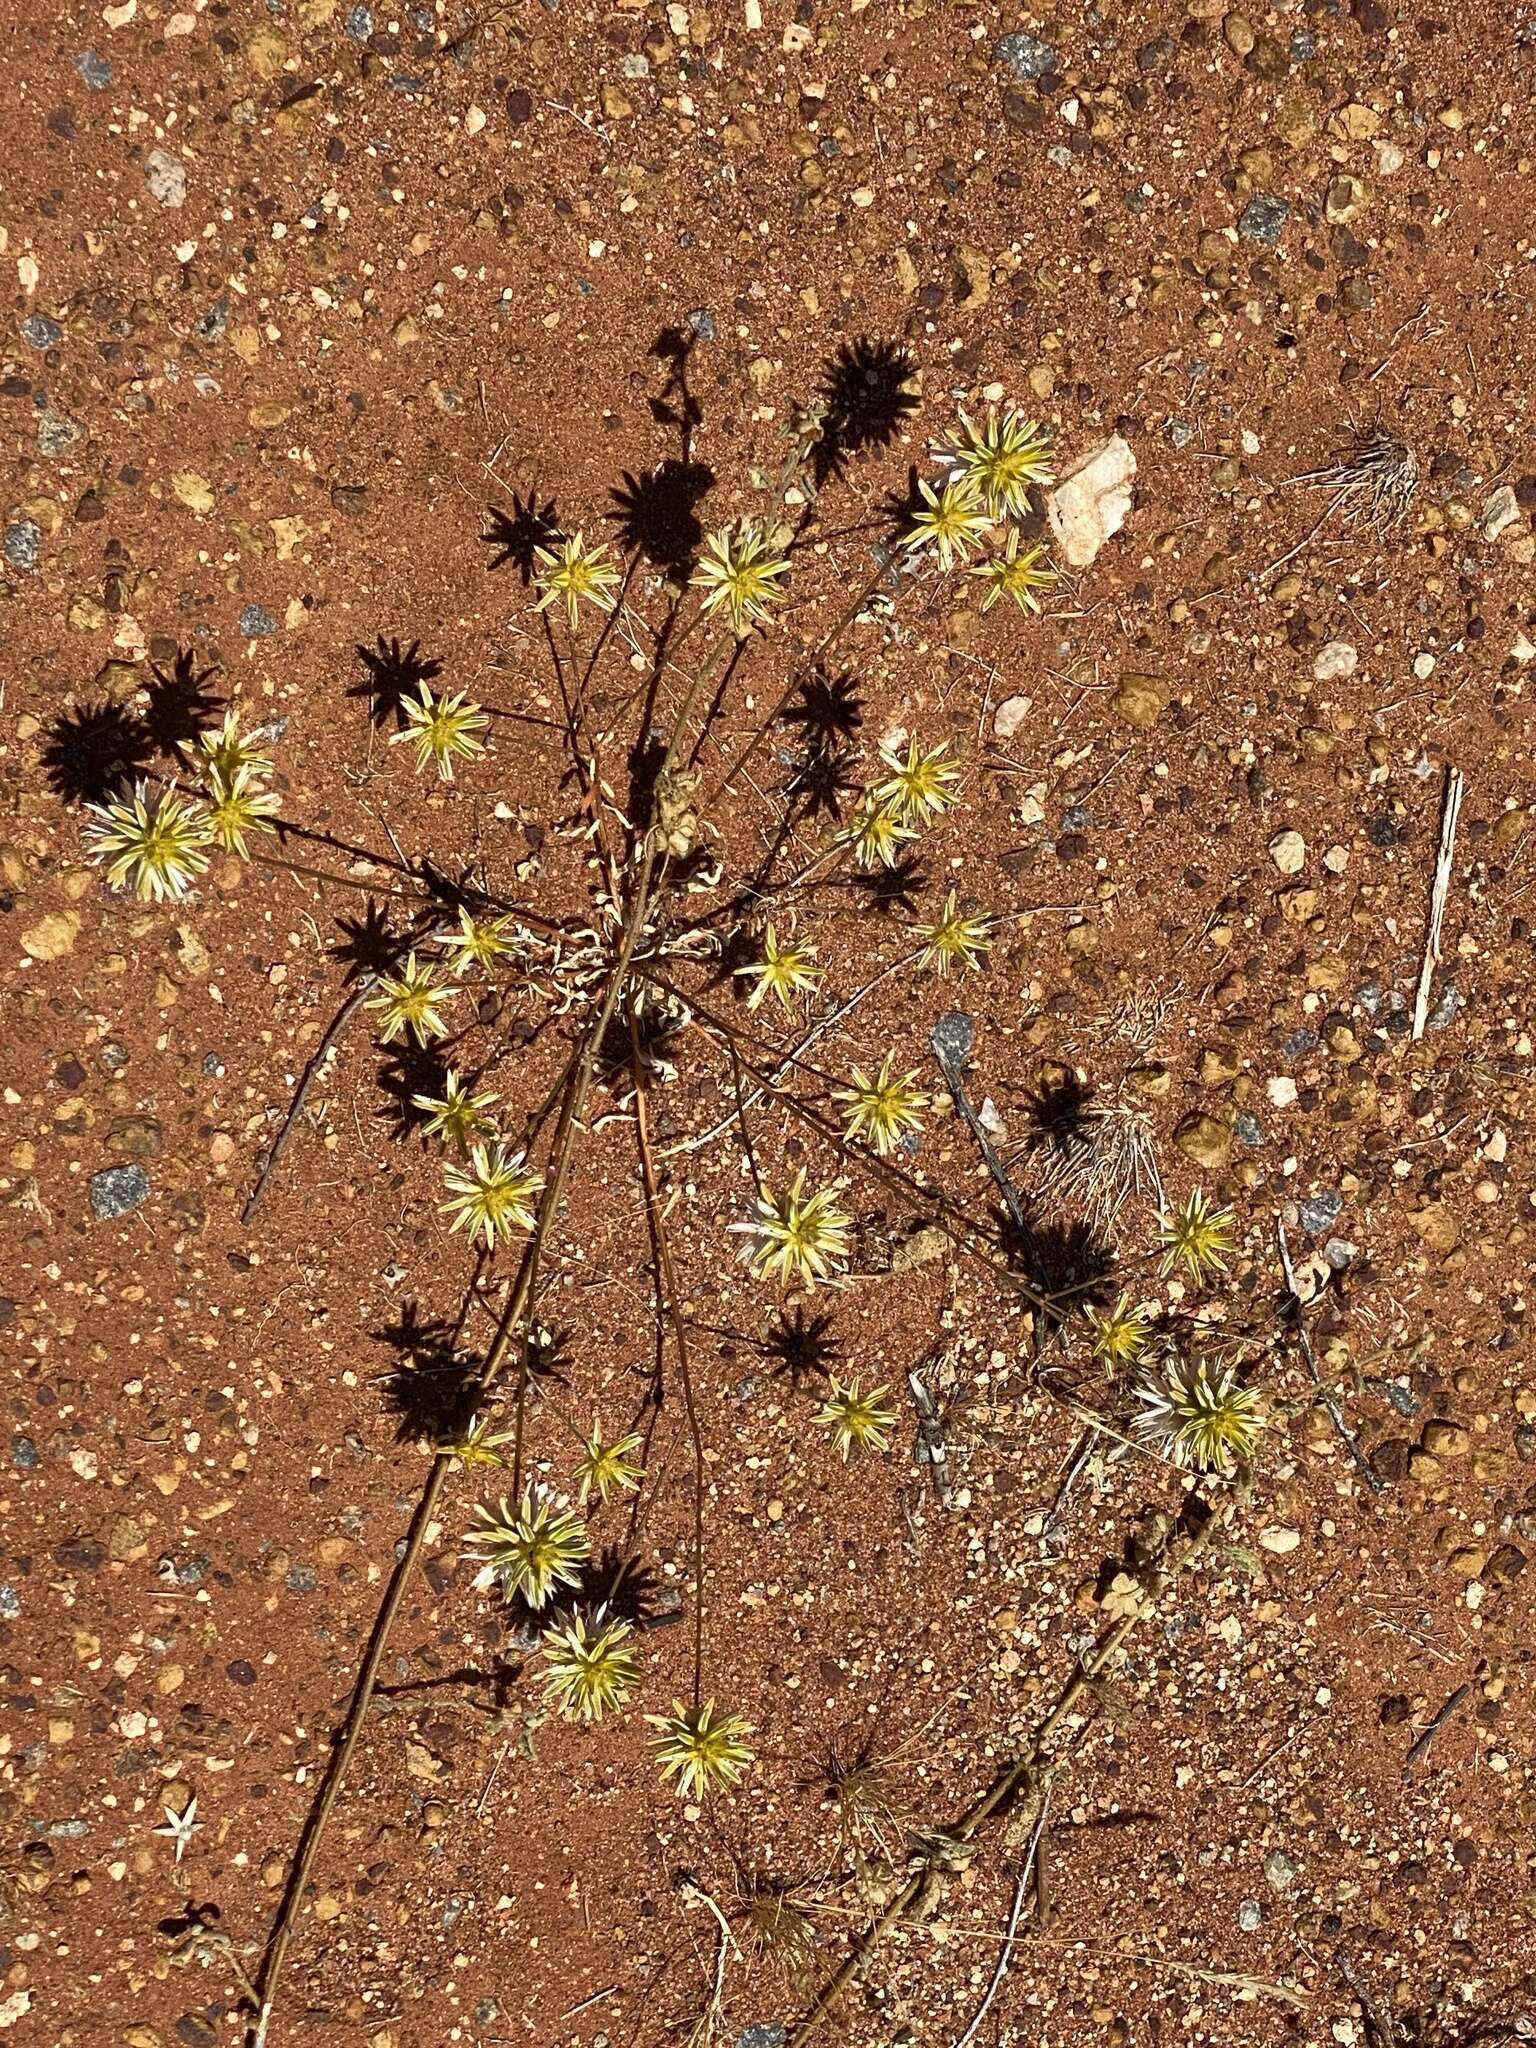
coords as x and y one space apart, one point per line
322 1053
1450 812
1427 1734
1005 1953
1383 2032
1342 1430
930 1430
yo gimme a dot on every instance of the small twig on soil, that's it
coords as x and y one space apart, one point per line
1234 1980
1383 2031
1427 1734
704 2031
322 1053
1342 1430
667 1303
1450 812
1005 1953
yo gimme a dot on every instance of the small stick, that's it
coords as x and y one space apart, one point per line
338 1025
1006 1950
491 1780
1380 2026
1427 1735
1450 812
1345 1434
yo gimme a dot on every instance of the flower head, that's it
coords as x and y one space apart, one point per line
480 1444
152 842
530 1549
588 1671
876 833
881 1111
858 1421
786 971
238 805
950 520
442 729
920 787
1001 459
739 573
226 751
1197 1237
573 574
700 1749
478 942
1120 1333
457 1115
491 1195
411 1000
1197 1409
797 1236
1015 574
957 938
606 1468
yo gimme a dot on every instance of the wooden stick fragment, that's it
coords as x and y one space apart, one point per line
1450 813
1005 1953
1427 1734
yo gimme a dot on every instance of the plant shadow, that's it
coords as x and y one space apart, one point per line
866 400
392 674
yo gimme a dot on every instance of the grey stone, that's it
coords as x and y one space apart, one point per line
23 1452
359 23
1340 1253
1026 56
166 177
1247 1128
762 2034
56 432
118 1191
256 622
10 1603
95 72
23 543
38 331
1279 1870
702 321
1250 1916
1262 219
1320 1212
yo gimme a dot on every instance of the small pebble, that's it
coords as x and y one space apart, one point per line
38 331
1263 218
165 176
94 72
1026 56
1288 851
118 1191
1320 1212
1279 1870
256 622
1334 661
1250 1916
23 543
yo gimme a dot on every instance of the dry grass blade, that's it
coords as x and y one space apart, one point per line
1105 1158
1373 481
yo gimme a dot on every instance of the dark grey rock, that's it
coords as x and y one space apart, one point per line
118 1191
23 543
95 72
23 1452
359 23
1247 1129
301 1579
1320 1212
1262 219
210 326
256 622
38 331
762 2034
702 321
1026 56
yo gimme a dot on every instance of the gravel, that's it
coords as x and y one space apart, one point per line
118 1191
38 331
23 543
257 623
1026 56
1262 219
165 177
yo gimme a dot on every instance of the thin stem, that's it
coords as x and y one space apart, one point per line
667 1293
